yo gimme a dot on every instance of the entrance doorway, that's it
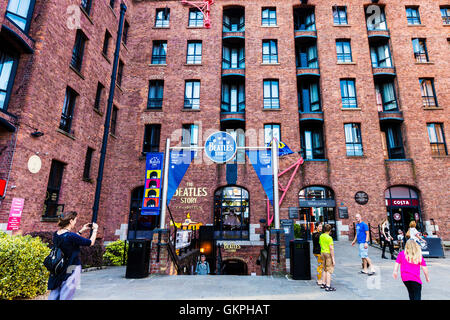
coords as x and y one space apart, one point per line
234 267
317 204
403 206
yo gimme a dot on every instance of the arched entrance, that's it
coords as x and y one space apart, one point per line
231 213
403 206
235 267
316 204
140 226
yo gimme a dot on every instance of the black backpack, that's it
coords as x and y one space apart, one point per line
55 261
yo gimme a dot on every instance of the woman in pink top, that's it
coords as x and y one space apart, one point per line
410 261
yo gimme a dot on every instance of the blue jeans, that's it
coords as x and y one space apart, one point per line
67 289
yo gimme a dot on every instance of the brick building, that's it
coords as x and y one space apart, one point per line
358 88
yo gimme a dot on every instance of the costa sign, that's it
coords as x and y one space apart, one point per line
403 202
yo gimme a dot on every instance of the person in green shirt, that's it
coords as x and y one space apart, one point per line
327 252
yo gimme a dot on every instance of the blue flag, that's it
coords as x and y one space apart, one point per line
283 149
179 162
261 161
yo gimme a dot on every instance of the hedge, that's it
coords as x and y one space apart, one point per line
114 254
22 273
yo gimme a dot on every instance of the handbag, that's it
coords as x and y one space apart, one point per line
55 261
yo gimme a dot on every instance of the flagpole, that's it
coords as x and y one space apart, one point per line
162 222
276 204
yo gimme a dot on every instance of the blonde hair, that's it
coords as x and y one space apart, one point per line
412 224
413 252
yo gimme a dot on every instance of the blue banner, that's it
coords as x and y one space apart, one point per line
261 161
283 149
151 204
179 162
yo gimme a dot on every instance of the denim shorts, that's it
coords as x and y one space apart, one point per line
363 253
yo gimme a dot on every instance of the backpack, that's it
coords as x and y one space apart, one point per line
55 261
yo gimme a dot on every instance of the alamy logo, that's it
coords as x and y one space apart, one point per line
375 19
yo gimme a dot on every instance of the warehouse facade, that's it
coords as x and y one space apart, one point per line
357 89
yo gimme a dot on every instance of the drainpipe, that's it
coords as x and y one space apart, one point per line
98 188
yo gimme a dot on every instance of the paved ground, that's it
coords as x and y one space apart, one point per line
111 284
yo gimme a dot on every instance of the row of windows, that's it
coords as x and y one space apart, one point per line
304 20
233 95
312 139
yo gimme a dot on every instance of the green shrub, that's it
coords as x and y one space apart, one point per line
114 253
22 272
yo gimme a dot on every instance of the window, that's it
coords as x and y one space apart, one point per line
392 141
53 189
106 42
231 213
270 51
68 110
194 52
271 131
155 94
86 5
114 115
192 94
428 92
412 15
445 13
385 95
344 51
437 139
98 96
20 12
189 135
269 17
381 56
375 18
307 55
304 19
271 94
340 15
162 18
126 29
234 20
159 52
353 139
195 18
311 140
237 130
78 50
87 164
233 56
309 96
151 138
348 93
120 73
420 50
8 65
233 96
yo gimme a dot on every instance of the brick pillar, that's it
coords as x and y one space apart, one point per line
164 265
277 261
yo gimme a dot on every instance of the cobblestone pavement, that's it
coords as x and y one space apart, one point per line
111 284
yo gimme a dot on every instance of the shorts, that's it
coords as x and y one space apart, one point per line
363 253
327 262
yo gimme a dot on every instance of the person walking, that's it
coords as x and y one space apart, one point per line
327 252
386 239
362 237
63 285
202 266
316 251
410 262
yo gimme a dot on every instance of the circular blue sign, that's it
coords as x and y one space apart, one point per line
220 147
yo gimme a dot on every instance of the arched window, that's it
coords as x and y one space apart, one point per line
316 193
403 206
231 213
